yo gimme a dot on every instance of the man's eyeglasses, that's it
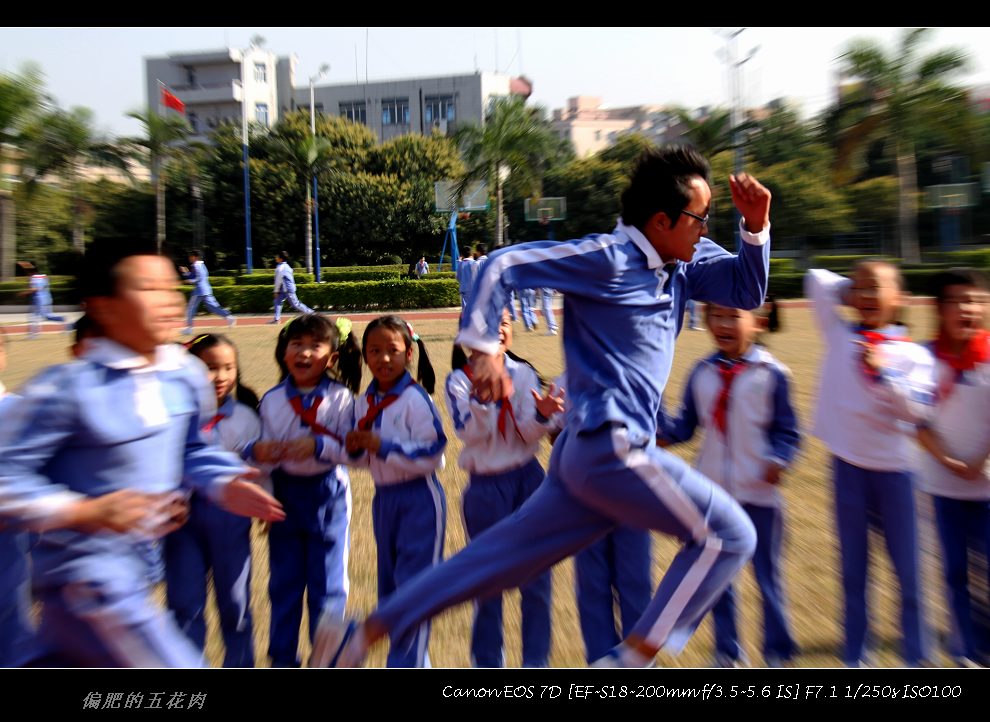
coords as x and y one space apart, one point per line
702 221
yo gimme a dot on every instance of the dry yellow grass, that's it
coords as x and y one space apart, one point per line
811 561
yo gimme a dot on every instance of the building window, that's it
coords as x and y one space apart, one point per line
260 73
439 107
395 111
261 113
191 76
318 108
354 110
193 122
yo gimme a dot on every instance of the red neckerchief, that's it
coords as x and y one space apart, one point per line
211 424
504 410
977 351
308 416
374 410
875 338
728 370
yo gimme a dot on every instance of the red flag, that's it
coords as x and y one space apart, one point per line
171 101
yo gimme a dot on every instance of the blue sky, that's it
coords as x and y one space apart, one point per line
102 68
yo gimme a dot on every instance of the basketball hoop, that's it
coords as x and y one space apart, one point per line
543 215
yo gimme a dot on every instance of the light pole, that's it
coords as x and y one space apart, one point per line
735 90
247 174
324 68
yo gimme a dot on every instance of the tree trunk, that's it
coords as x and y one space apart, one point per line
8 235
500 220
907 205
309 230
159 203
78 238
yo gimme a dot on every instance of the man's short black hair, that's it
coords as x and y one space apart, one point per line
195 252
97 276
661 182
283 255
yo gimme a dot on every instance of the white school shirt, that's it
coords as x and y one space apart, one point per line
279 422
961 420
760 420
867 423
485 450
411 434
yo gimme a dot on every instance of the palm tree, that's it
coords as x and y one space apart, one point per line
162 140
898 92
61 143
514 139
709 134
306 156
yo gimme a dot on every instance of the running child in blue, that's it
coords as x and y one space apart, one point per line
303 424
624 296
213 539
94 455
41 303
740 396
202 292
398 435
501 441
285 288
875 386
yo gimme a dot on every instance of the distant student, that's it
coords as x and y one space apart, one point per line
285 288
202 292
41 303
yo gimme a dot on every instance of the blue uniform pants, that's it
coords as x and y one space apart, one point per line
410 520
487 500
777 640
212 539
963 526
293 300
308 553
884 499
615 568
546 295
211 305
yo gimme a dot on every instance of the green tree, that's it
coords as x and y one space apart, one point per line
20 97
899 91
62 143
515 139
162 139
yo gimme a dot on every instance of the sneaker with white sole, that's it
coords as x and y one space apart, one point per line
231 321
338 643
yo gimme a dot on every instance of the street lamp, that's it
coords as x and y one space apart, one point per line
316 197
247 173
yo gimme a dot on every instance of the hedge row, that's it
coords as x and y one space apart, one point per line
977 258
347 295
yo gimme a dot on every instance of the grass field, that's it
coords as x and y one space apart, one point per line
811 553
